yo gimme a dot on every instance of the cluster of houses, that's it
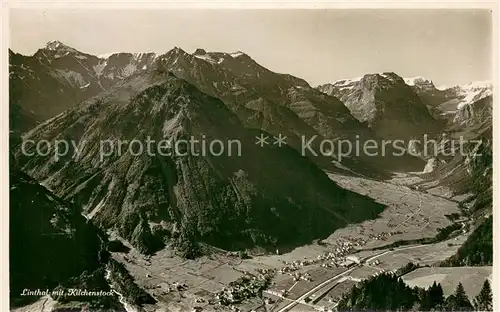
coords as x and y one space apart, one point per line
297 276
336 257
168 288
245 287
374 262
384 235
291 267
264 274
350 261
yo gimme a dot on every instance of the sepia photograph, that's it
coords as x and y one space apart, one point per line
251 160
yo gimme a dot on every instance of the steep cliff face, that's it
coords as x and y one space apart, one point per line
455 105
262 99
266 196
58 77
467 115
473 113
283 104
386 103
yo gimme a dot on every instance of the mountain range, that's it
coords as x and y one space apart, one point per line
211 197
266 197
87 93
68 76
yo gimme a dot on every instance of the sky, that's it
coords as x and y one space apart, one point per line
447 46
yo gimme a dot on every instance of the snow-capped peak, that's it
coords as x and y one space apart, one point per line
208 58
54 45
237 54
200 51
343 82
443 87
107 55
418 80
136 56
58 46
216 57
474 85
421 83
473 91
483 84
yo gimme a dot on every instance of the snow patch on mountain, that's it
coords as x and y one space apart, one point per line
60 55
98 69
107 55
345 82
53 45
473 92
471 96
129 69
141 55
207 58
484 84
59 49
85 86
58 46
71 77
443 87
236 54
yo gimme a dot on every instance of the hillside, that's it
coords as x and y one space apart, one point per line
52 245
386 103
266 197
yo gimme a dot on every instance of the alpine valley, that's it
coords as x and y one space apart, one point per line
269 226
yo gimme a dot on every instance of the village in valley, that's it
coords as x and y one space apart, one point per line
314 277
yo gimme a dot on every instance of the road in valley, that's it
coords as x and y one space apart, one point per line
313 290
389 251
301 299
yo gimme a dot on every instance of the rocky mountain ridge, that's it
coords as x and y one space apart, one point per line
266 197
386 103
276 103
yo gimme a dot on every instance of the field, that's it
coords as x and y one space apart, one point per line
421 254
471 277
160 274
282 283
303 286
335 293
277 303
364 272
409 214
303 308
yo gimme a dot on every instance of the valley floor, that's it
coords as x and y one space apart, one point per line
314 276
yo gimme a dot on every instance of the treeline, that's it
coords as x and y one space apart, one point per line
442 235
477 249
481 175
389 292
